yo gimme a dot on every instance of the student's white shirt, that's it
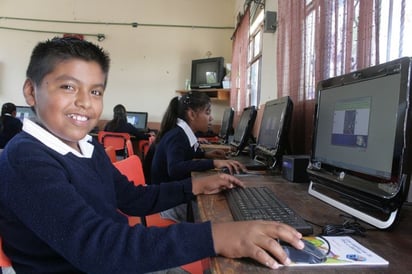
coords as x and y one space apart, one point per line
55 143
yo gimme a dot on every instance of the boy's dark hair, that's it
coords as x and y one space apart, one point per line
178 108
47 55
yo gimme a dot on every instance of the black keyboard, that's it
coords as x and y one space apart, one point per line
260 203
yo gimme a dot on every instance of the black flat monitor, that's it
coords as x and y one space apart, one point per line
24 112
243 129
361 153
227 125
137 119
272 141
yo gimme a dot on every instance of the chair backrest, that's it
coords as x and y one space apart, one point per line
111 152
147 163
129 147
132 168
4 260
114 139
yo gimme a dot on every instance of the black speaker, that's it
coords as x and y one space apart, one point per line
294 168
270 21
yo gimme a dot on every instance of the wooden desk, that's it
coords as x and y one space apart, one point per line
226 148
394 246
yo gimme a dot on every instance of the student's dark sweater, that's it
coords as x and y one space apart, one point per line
59 214
9 127
174 158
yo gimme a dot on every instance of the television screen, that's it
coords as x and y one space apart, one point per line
272 140
207 73
227 125
360 158
24 112
137 119
244 128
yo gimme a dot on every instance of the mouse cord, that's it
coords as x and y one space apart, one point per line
351 226
327 243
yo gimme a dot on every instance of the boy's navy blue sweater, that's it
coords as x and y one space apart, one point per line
59 214
175 159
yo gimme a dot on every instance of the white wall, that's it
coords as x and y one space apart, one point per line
268 77
148 63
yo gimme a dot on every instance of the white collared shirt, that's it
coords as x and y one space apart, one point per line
189 133
55 143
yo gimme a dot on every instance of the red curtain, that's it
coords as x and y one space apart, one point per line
239 65
318 40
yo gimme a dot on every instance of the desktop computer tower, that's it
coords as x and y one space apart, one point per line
294 168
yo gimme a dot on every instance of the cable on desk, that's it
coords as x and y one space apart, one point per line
351 226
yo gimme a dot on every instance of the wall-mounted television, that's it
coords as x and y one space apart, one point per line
362 152
207 73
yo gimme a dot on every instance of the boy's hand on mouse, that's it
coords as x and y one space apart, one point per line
256 240
214 183
232 165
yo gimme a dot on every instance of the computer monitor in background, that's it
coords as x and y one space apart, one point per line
137 119
361 153
24 112
243 129
227 125
272 141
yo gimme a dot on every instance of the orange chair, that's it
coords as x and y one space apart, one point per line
111 152
129 147
4 260
132 168
142 144
114 139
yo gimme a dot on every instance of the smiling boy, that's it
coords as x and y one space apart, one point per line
60 195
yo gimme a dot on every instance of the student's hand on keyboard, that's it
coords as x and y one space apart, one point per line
215 154
232 166
214 183
255 239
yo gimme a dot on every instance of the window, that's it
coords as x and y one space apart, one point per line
255 59
323 39
395 28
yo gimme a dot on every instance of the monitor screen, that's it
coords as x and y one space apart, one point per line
360 154
227 124
137 119
24 112
244 128
272 140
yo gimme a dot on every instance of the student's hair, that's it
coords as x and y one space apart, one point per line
178 108
119 117
8 108
47 55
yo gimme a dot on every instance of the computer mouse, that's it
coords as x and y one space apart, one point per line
310 254
225 170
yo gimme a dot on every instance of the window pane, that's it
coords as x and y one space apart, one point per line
257 44
254 82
